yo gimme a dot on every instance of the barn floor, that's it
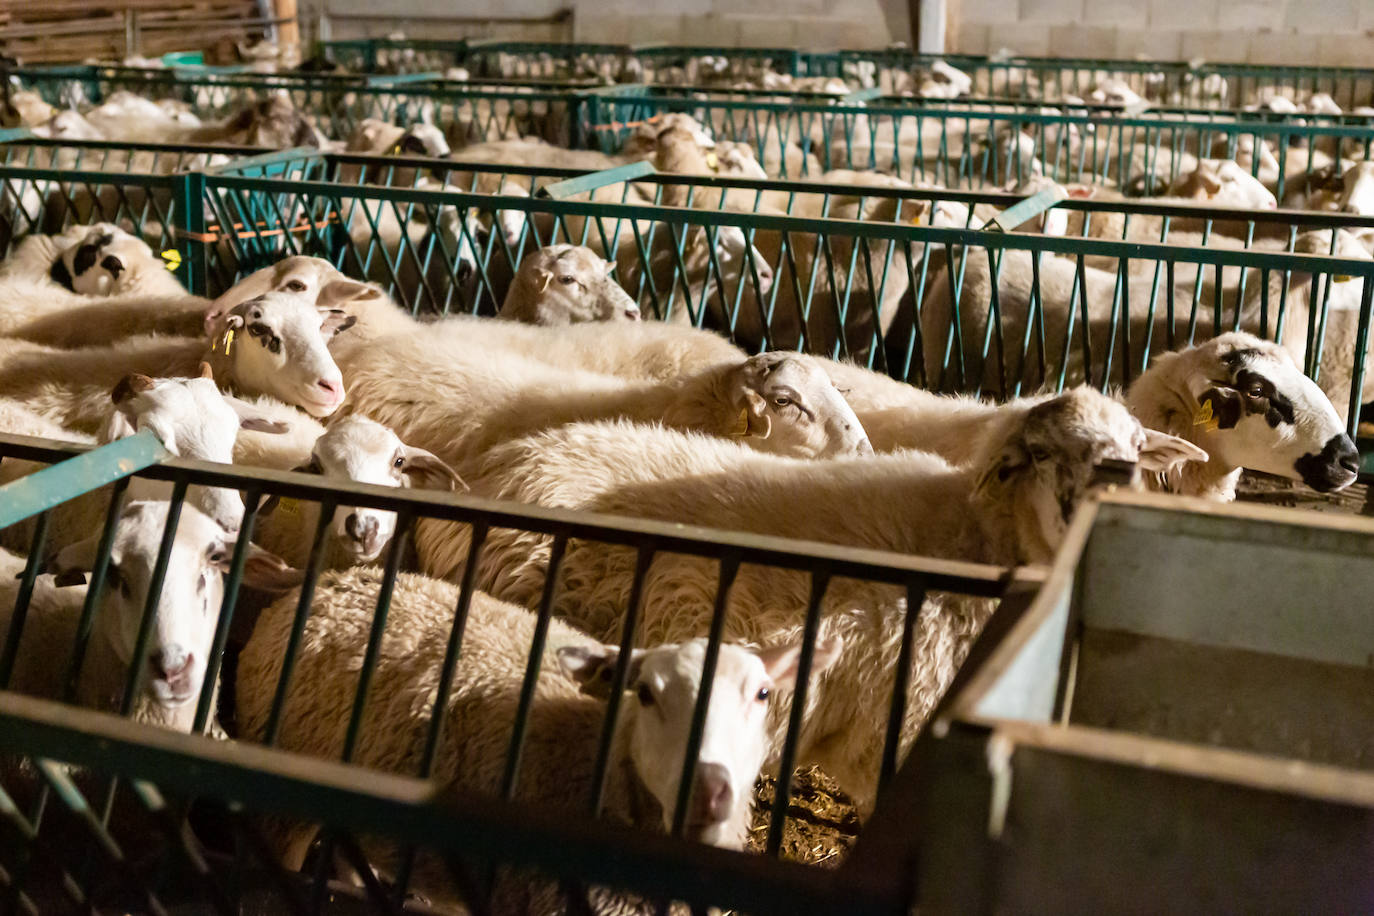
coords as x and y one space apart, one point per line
822 824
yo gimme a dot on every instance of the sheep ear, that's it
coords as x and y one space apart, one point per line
130 385
753 417
70 563
781 661
430 469
543 277
268 572
336 292
1163 452
253 419
1210 180
207 372
593 666
333 321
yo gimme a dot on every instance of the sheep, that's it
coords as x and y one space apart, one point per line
50 283
350 448
273 344
565 724
773 402
1248 405
1011 504
190 417
186 612
566 284
1303 439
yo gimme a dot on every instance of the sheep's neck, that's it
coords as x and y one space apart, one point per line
1213 479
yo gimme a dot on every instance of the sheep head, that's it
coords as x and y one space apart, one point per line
277 344
567 284
1248 404
103 262
187 607
735 741
786 404
356 448
1040 465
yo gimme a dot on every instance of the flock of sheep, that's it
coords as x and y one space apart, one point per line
568 400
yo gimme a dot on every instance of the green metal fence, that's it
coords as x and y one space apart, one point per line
903 296
1218 85
152 820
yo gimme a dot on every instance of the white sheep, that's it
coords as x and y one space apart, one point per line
1009 505
1248 405
274 344
186 611
565 724
190 417
773 402
350 448
566 284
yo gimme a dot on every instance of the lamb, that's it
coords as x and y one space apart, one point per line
1011 504
186 611
565 724
274 344
566 284
774 402
190 417
351 448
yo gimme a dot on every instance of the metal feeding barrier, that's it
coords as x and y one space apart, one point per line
892 291
151 819
1182 657
957 144
1212 85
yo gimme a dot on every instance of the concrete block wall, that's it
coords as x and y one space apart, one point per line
810 24
1332 32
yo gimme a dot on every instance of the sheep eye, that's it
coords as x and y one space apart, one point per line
295 286
646 696
782 401
398 462
1039 454
763 695
567 280
1255 391
274 344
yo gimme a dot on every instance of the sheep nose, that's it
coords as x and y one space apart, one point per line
864 447
712 797
334 387
170 662
362 529
632 314
113 265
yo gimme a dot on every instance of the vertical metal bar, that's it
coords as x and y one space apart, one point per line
619 680
541 632
145 631
293 642
729 568
378 632
20 611
1361 357
915 599
782 790
226 611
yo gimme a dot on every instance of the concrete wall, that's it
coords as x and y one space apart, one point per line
1333 32
814 24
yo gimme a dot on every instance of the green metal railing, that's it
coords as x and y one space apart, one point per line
1217 85
898 294
972 147
221 862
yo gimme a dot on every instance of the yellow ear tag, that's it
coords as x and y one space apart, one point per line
712 161
1342 278
742 428
228 341
172 257
1205 418
289 506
